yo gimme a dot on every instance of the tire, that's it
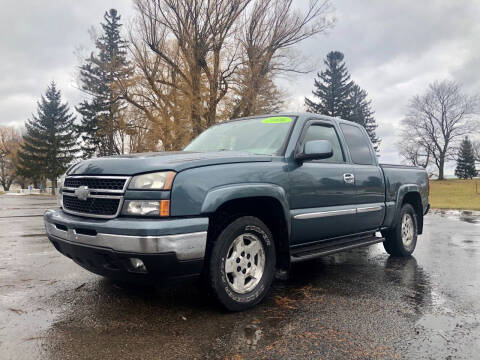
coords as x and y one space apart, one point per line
241 265
402 239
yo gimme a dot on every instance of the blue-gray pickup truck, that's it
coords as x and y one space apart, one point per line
245 199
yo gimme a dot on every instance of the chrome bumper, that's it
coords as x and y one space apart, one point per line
186 246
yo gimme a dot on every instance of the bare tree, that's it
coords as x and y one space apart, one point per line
201 29
272 29
414 151
437 120
198 62
270 98
158 97
10 140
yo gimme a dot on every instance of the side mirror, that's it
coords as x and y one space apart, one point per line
315 150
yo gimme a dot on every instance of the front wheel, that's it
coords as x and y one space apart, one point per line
402 239
241 265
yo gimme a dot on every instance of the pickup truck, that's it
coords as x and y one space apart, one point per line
245 199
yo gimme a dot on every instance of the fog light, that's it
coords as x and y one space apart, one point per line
138 265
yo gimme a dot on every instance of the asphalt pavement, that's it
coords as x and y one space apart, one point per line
360 304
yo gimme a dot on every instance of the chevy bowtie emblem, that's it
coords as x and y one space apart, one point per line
82 193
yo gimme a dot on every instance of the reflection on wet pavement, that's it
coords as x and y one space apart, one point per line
359 304
469 216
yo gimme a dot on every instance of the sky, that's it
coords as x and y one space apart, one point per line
393 49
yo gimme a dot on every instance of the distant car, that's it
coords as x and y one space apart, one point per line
245 198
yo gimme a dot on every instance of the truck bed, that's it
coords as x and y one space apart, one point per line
404 175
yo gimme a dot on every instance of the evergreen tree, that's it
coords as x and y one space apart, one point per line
466 161
331 88
339 96
102 114
49 144
361 113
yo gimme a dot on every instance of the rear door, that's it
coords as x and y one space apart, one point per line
369 180
321 191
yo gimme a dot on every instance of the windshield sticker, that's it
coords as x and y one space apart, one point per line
277 120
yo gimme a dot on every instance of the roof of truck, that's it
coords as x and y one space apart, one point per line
300 115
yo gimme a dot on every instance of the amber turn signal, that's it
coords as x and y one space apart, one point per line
164 207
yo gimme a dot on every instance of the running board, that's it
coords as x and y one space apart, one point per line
332 247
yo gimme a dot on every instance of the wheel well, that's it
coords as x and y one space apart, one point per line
414 199
267 209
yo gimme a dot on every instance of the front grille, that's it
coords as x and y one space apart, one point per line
93 205
104 195
97 183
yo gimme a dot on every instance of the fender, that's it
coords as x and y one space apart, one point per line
401 192
220 195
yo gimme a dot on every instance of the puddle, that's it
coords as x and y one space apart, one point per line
24 235
21 216
437 322
468 216
246 337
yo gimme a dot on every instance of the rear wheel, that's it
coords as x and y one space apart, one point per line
241 265
402 239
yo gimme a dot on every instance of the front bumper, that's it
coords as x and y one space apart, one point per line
167 247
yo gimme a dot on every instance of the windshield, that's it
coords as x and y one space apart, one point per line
264 135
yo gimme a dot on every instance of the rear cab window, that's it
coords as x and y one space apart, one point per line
358 145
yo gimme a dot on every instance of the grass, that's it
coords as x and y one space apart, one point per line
455 194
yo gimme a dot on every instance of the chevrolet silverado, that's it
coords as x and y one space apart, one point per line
244 199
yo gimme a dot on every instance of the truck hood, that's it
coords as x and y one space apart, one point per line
171 160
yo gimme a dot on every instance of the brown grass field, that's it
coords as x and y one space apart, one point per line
455 194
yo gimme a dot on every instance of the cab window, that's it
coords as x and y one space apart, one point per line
325 132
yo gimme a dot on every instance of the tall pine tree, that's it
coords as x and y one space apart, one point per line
466 161
332 88
361 113
102 121
339 96
49 144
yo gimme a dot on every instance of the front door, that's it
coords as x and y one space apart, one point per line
322 192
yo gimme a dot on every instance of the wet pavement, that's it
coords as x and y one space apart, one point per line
358 304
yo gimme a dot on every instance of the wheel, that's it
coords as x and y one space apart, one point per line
402 239
241 265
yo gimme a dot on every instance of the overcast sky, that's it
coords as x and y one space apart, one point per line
393 49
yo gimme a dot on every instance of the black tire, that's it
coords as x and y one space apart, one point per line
221 283
394 243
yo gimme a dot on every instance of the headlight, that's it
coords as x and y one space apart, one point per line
146 207
153 181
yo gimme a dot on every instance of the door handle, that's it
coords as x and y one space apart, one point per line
349 178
